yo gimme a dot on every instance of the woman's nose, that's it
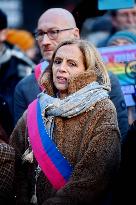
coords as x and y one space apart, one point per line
62 67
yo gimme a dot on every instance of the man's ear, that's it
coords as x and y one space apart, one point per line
3 35
76 33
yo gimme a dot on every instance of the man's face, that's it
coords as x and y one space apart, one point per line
125 18
51 23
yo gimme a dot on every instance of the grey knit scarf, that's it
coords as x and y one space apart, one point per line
75 103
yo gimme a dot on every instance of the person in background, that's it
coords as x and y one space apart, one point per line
123 18
126 37
126 193
75 115
97 29
123 192
120 19
14 66
55 25
25 41
7 165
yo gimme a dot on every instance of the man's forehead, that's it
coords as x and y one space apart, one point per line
53 17
121 11
46 26
52 23
57 17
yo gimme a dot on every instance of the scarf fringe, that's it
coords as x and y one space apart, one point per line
28 156
33 199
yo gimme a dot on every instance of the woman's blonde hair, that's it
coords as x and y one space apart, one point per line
92 60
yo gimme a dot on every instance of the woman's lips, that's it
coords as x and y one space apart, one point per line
61 79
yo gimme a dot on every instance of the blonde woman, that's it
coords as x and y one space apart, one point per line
69 134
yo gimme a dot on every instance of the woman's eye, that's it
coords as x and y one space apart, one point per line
57 61
72 63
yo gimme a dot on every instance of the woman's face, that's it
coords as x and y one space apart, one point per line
68 62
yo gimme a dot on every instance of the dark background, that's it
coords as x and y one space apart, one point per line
26 14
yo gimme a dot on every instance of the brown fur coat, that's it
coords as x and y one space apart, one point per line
7 165
90 142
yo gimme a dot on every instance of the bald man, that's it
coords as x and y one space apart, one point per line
58 24
54 26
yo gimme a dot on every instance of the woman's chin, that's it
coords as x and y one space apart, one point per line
61 87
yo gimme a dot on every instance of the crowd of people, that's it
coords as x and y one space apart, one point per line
66 136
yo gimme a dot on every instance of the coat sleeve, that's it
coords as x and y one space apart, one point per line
7 163
25 92
97 167
20 144
19 101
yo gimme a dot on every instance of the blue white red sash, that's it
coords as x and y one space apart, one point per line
56 168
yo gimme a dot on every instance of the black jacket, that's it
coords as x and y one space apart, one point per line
14 66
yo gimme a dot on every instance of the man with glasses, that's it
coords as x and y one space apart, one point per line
52 34
54 26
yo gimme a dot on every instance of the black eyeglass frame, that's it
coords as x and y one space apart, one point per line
49 34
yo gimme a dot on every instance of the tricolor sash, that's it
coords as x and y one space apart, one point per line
56 168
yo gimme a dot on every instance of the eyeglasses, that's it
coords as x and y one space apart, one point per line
52 34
